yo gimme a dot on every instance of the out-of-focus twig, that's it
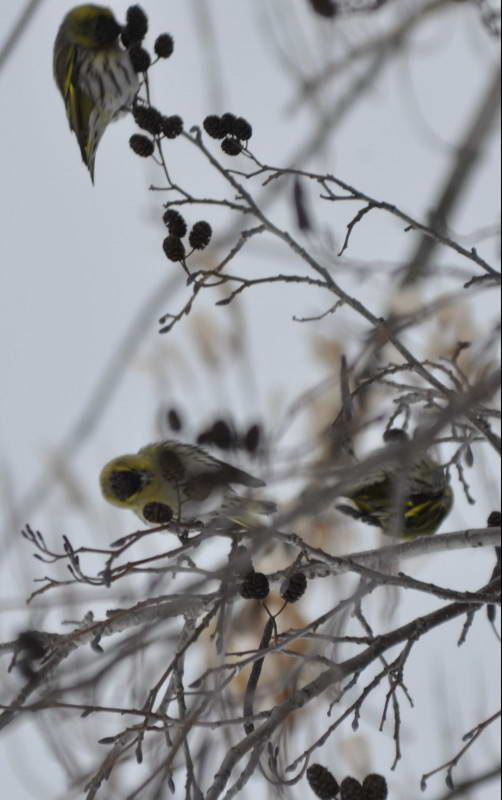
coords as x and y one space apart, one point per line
470 737
390 41
464 787
17 31
95 406
206 31
468 153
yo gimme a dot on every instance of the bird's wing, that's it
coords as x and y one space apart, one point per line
78 104
232 474
378 481
184 461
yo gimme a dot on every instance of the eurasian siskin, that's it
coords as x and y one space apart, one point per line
404 500
179 482
94 74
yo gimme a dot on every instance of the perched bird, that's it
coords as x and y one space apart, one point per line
94 74
404 500
179 482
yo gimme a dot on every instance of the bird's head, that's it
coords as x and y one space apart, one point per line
91 26
128 481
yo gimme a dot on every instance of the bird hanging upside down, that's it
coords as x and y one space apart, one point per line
179 482
404 500
94 74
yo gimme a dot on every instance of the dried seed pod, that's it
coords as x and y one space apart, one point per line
255 586
495 519
175 222
228 121
140 58
174 248
374 787
252 438
214 127
325 8
242 129
157 513
148 118
220 434
322 782
200 235
142 145
164 45
174 420
172 126
351 789
293 588
136 24
231 146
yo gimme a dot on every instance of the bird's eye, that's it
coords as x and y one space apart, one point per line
107 30
125 483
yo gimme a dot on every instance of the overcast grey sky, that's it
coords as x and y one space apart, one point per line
79 262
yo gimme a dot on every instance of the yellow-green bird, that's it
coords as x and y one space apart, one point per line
180 482
94 74
421 489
